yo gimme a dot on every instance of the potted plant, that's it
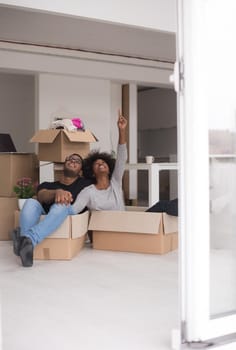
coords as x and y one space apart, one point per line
24 189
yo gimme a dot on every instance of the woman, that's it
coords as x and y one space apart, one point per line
106 191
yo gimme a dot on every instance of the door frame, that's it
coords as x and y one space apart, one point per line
196 323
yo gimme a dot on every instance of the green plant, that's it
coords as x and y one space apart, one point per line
25 188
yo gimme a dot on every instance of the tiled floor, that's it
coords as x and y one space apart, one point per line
98 300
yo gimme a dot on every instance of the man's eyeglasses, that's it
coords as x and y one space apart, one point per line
73 159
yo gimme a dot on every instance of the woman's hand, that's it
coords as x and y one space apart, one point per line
122 122
63 197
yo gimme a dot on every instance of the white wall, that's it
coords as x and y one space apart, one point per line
17 113
158 14
88 99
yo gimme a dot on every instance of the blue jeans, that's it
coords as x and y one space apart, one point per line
38 230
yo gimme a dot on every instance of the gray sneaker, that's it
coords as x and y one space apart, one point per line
26 251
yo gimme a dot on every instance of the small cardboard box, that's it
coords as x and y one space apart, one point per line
65 242
56 144
58 171
13 166
129 231
7 209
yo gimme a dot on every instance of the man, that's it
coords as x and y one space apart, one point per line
53 199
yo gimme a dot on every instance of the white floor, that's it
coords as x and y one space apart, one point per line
99 300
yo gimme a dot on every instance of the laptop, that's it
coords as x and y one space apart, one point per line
6 143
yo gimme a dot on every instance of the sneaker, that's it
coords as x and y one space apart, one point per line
26 251
15 235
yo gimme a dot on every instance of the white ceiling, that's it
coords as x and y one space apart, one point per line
50 29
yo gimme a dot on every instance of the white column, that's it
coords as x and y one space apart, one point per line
133 132
0 328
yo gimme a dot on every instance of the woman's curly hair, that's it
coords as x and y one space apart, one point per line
91 158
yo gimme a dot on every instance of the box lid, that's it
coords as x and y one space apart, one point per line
80 136
123 221
170 223
79 224
45 136
49 135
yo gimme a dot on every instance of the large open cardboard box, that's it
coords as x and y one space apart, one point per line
7 208
56 144
13 166
65 242
130 231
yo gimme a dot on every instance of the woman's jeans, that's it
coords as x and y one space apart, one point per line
165 206
37 230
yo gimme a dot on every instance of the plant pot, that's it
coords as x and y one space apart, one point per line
21 202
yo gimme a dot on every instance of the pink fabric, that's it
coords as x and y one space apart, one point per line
78 123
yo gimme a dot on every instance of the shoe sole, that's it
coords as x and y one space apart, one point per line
16 242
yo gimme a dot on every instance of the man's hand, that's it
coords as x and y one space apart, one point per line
63 197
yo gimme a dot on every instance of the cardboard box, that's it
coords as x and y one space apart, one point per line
135 208
7 209
58 171
129 231
13 166
65 242
56 144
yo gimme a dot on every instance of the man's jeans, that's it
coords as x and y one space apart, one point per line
38 230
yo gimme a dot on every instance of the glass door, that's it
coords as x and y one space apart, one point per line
207 156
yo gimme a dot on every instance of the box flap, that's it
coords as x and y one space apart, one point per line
45 136
79 224
170 223
135 208
80 136
122 221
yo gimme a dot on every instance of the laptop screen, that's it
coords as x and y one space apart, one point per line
6 143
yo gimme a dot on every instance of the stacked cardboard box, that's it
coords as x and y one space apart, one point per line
56 144
7 207
58 171
13 166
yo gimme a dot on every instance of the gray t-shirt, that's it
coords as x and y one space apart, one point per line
110 198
